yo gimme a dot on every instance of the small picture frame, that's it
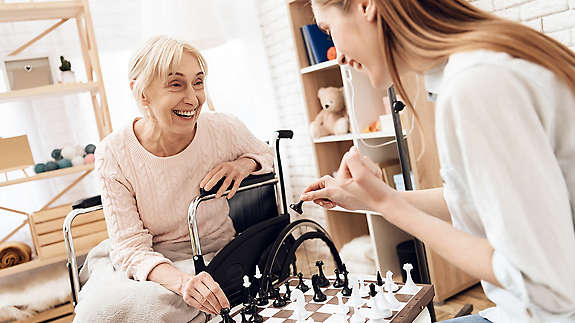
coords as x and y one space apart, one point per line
24 72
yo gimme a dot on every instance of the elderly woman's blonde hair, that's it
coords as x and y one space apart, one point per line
155 59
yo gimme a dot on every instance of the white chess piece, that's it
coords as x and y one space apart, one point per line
247 283
391 300
355 298
342 308
379 311
356 317
389 278
363 288
300 313
258 274
409 288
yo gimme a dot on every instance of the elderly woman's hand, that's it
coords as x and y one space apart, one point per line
358 185
203 293
234 171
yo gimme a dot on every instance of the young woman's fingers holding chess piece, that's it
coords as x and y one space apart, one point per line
203 293
233 172
356 186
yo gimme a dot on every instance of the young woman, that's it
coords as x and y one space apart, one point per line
505 128
149 172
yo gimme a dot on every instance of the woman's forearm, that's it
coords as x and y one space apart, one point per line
472 254
168 276
430 201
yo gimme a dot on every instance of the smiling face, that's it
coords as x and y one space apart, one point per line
355 35
174 102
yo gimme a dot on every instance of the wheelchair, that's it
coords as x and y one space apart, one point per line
264 235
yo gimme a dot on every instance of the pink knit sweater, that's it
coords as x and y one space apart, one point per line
146 197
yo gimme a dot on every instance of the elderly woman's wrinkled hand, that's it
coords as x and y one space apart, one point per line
357 186
202 292
234 171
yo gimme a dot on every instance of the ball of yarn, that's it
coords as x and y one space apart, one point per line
89 159
57 154
77 161
39 168
64 163
90 149
51 166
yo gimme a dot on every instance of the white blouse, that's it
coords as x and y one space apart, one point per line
505 132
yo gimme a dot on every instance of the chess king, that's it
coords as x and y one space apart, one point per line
502 91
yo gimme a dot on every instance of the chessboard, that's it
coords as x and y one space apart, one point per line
409 309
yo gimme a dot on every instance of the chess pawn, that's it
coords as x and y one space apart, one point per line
392 284
247 294
338 282
323 281
356 317
341 308
390 298
297 298
355 298
409 288
256 317
279 301
243 314
287 293
363 288
262 299
225 314
302 286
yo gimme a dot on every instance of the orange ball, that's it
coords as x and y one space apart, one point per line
331 53
89 159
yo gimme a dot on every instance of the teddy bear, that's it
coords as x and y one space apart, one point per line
332 119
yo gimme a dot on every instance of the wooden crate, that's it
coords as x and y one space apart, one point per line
46 227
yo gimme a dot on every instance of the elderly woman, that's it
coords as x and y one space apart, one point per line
148 173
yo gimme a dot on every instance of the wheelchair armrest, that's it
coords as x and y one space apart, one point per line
250 180
88 202
285 134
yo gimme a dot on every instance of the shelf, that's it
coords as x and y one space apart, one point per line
24 11
388 133
345 137
48 90
320 67
50 174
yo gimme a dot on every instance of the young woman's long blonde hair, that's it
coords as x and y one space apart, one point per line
432 30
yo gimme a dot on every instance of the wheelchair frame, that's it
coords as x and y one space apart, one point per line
94 204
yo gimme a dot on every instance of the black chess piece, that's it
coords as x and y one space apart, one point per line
225 313
346 291
302 286
379 280
372 291
256 317
243 314
297 207
262 299
279 301
287 294
318 295
323 281
338 282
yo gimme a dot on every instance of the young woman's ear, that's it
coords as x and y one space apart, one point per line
368 9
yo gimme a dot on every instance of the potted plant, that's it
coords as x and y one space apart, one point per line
67 75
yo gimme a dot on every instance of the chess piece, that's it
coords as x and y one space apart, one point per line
323 281
390 298
379 280
341 308
379 311
346 291
287 293
300 313
409 288
372 291
338 282
392 284
256 282
356 317
297 207
380 300
302 286
262 299
318 295
279 301
247 293
256 317
363 289
243 314
355 298
225 313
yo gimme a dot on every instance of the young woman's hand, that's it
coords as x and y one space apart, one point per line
234 171
202 292
357 186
